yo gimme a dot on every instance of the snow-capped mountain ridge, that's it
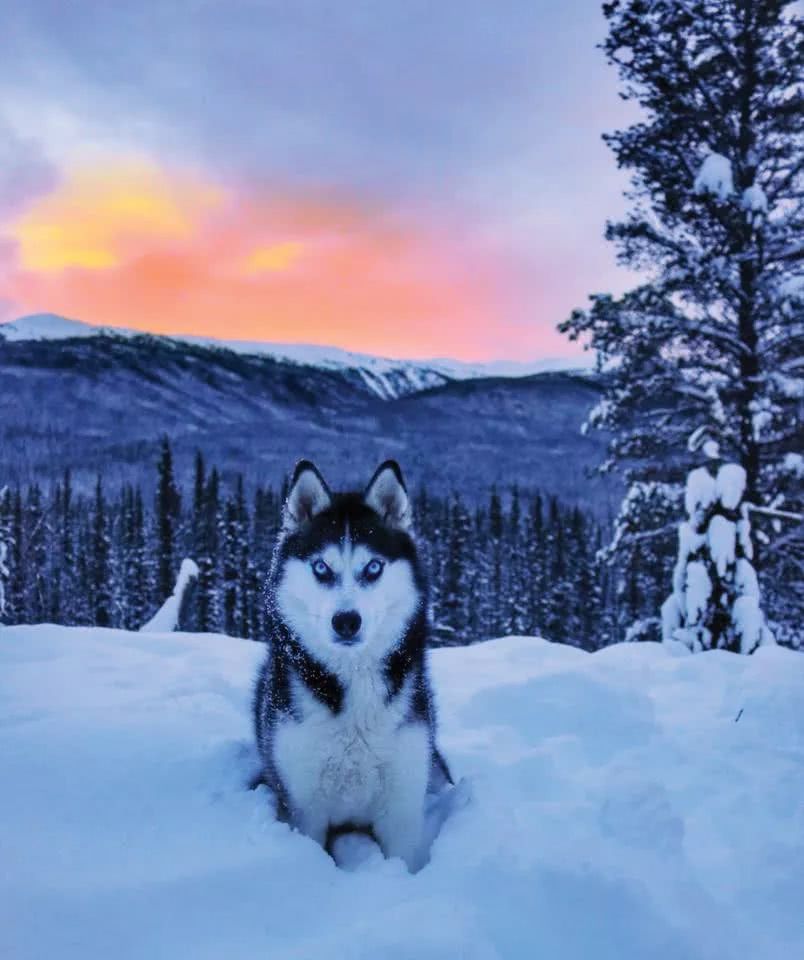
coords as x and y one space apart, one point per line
387 377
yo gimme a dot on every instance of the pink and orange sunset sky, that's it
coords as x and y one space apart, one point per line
400 178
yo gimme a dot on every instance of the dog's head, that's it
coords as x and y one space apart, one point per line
347 575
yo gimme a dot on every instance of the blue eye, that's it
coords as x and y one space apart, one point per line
322 571
373 569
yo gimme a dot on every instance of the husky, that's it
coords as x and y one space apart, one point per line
343 709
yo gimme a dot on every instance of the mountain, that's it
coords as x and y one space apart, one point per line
100 402
386 377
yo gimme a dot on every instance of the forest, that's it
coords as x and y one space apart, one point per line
519 563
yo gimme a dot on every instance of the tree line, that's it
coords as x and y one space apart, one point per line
521 562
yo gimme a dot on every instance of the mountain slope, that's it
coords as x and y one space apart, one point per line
386 377
102 402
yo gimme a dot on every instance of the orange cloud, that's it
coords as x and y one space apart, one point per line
140 248
279 256
95 218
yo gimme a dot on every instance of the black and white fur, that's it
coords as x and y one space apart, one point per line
343 709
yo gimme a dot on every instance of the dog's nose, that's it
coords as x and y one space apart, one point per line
346 623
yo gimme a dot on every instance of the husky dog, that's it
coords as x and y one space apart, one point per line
343 711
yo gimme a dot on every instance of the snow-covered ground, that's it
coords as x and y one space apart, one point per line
618 809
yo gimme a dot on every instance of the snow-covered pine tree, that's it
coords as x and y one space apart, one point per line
101 600
15 595
455 604
35 556
5 541
534 559
707 352
517 576
208 589
496 546
168 511
715 603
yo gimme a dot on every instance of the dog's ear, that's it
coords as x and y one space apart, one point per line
308 496
388 495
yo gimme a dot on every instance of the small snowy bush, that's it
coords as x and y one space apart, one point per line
715 603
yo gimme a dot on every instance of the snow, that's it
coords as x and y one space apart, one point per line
792 286
744 533
711 449
616 810
388 378
745 577
794 463
750 623
699 589
166 617
699 493
715 177
730 485
722 537
754 199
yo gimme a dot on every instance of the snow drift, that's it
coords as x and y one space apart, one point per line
619 809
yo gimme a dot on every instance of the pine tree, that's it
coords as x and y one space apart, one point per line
715 603
517 590
15 600
168 510
558 594
534 559
705 355
208 589
138 574
35 557
455 600
5 552
496 529
100 573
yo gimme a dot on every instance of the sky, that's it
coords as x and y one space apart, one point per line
400 177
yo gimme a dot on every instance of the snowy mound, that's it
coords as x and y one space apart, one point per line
617 809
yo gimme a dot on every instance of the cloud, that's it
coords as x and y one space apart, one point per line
95 217
152 249
25 171
277 257
470 130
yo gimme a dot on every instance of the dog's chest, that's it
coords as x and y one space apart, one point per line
341 759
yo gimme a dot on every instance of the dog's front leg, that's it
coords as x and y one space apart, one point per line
399 823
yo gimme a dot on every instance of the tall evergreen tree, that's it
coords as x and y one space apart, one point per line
705 355
534 557
5 548
100 576
168 509
36 539
208 589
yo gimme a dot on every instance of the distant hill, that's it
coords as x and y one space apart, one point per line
101 401
386 377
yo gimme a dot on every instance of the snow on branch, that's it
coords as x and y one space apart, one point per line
715 177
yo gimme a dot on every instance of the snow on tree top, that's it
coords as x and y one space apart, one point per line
715 176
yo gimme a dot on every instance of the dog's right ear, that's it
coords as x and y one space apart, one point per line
308 496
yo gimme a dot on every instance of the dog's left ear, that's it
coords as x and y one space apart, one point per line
388 495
